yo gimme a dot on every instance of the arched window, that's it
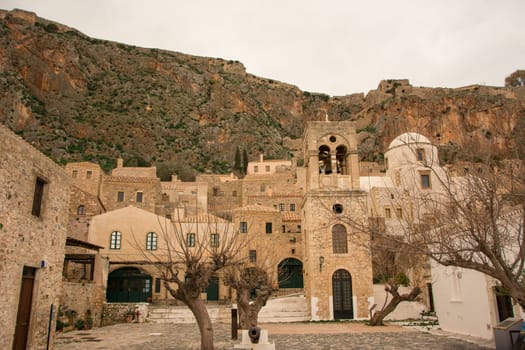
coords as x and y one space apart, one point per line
114 242
325 163
81 210
340 156
339 240
151 241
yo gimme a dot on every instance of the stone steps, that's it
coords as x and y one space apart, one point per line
292 308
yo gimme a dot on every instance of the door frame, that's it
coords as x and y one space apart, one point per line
24 310
340 287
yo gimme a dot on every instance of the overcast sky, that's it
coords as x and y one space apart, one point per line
335 47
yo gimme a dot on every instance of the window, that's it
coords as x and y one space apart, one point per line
337 208
151 241
292 206
38 196
283 227
215 191
255 169
139 197
420 154
253 256
74 174
267 168
120 196
268 227
243 227
281 206
81 210
425 181
214 240
388 213
399 213
190 240
157 285
114 242
234 194
339 240
262 188
89 174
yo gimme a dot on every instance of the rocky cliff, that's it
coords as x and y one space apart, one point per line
79 98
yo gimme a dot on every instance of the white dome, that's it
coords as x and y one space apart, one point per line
407 139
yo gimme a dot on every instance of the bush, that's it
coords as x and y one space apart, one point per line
80 324
60 325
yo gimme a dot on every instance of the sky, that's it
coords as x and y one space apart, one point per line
336 47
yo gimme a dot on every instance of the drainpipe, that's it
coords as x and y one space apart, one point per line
50 323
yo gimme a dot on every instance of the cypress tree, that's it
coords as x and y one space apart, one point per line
237 162
244 161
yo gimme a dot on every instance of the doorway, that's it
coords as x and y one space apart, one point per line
128 284
25 301
342 295
290 273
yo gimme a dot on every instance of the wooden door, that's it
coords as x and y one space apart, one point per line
342 295
24 308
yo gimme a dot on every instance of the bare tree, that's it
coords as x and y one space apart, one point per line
190 252
470 215
394 267
476 223
254 282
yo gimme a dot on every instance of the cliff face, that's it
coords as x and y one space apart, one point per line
78 98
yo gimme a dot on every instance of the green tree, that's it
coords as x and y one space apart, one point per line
237 162
244 161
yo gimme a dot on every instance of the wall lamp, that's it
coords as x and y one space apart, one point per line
321 262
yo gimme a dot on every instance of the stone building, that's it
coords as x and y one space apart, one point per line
337 261
34 208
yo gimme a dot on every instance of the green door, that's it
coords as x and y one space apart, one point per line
213 289
291 273
128 285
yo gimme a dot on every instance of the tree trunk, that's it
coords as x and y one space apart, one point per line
379 316
198 308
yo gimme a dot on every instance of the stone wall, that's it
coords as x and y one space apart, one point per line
28 240
124 312
85 298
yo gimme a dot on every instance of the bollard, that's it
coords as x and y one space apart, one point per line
234 324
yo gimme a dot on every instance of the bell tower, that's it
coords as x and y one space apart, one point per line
337 266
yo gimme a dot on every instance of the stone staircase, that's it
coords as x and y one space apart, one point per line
290 308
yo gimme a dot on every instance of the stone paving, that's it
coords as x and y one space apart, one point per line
286 336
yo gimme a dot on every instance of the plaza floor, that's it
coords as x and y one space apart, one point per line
286 336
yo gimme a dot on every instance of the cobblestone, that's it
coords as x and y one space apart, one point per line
295 336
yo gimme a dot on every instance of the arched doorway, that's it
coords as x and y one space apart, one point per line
212 291
128 284
290 273
342 295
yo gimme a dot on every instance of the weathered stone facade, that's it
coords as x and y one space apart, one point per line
332 248
32 240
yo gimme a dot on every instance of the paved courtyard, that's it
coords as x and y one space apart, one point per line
286 336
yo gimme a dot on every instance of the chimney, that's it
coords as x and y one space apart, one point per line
120 162
261 158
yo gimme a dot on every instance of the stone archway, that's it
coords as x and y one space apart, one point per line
128 284
291 273
342 295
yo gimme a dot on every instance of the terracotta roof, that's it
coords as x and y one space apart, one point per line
257 208
203 218
290 216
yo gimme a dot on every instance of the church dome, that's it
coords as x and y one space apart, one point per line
407 139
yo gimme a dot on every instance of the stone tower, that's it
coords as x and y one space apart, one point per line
337 262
